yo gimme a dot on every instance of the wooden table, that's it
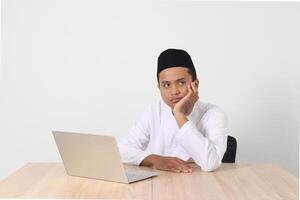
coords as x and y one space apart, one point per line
230 181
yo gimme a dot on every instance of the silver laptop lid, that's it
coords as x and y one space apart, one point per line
91 156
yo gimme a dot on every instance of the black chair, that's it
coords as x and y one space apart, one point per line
230 154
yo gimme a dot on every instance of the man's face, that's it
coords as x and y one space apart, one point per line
173 84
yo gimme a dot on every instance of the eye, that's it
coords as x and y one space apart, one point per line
166 85
181 82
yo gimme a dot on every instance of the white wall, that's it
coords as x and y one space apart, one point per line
90 66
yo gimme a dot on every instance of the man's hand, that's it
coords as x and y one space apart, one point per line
185 106
167 163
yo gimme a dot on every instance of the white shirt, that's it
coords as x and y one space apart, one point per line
202 139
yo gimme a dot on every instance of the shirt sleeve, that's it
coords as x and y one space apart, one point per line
132 146
207 150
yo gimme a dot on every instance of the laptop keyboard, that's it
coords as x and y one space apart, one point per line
137 175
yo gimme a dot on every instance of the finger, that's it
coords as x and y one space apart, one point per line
195 92
195 88
190 91
180 161
184 167
190 168
187 170
193 84
175 170
197 85
179 164
188 95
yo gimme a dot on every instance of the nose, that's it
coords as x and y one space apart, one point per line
174 90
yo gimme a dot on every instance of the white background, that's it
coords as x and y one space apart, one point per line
90 66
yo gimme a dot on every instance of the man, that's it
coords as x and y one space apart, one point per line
179 129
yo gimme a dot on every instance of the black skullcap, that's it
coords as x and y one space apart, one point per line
175 58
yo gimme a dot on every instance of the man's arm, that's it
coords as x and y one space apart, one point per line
132 148
207 152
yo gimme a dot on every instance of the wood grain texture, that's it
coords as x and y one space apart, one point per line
230 181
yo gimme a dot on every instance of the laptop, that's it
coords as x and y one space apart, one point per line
95 156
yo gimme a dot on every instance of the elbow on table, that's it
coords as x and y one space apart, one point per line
209 167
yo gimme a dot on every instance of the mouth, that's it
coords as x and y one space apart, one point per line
175 100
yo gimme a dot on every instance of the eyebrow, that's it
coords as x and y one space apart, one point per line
180 79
